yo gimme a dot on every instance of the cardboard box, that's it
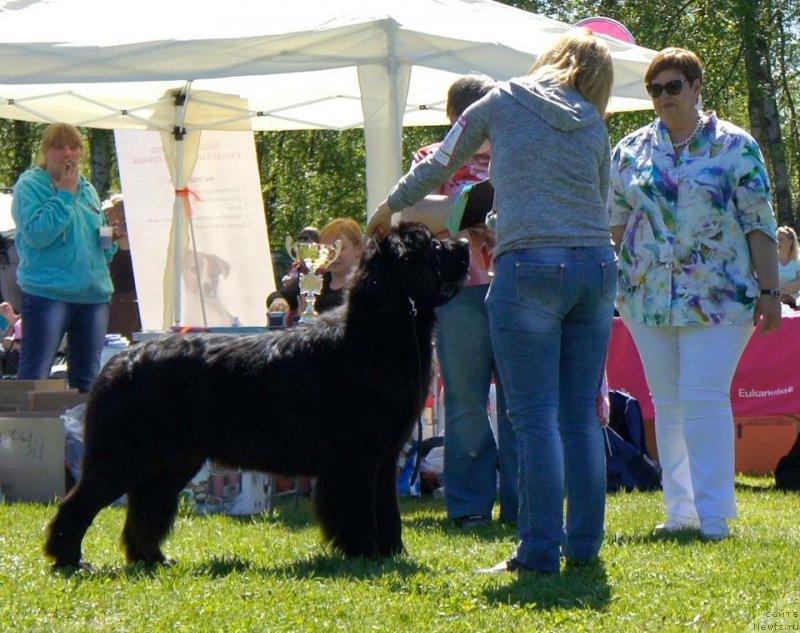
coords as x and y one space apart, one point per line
60 400
48 384
762 441
14 393
215 489
32 457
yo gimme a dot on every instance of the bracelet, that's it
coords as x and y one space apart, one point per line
772 292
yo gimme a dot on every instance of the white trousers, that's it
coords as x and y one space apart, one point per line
689 372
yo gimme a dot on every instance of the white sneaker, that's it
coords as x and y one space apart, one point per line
715 529
677 524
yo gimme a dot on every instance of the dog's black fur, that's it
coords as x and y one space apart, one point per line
335 400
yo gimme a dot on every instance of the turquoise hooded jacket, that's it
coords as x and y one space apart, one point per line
58 241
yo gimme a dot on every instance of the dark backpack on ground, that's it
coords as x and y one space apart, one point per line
787 472
628 464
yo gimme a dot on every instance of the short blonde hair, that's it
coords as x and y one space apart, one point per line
341 228
788 231
58 135
582 61
116 212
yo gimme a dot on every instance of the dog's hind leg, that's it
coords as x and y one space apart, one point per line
344 503
152 506
76 513
387 511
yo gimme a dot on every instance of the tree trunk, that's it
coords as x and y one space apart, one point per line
23 156
762 103
786 68
102 158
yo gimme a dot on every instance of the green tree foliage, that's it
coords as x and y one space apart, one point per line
311 176
18 145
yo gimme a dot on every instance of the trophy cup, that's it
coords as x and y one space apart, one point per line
314 256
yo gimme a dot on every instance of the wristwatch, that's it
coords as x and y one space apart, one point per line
772 292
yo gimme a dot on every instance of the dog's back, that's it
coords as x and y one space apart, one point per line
231 398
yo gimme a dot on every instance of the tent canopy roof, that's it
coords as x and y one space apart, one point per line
109 66
272 64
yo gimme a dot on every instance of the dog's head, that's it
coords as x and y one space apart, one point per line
410 263
211 267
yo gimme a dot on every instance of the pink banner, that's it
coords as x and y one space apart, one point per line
766 383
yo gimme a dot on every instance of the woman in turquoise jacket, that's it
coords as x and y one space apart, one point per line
63 268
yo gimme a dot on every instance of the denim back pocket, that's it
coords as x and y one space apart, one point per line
539 282
610 276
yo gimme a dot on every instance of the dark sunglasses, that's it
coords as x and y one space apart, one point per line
672 87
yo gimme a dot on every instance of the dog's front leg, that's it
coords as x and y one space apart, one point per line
387 510
344 503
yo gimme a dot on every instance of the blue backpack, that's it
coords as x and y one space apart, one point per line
628 464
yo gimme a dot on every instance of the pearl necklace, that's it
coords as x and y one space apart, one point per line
697 127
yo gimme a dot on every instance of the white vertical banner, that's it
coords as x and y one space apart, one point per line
232 263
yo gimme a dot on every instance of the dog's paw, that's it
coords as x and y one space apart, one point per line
390 551
153 563
70 569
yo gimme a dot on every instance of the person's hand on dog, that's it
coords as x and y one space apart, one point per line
381 220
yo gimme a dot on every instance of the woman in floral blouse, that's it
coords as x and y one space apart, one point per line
692 220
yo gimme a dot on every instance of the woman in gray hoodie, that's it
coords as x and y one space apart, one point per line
552 298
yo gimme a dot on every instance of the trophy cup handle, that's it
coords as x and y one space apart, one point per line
336 249
291 248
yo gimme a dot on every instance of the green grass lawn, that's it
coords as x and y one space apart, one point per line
272 574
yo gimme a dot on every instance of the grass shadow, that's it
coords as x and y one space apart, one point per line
221 566
746 485
320 566
584 587
132 572
337 566
491 531
681 537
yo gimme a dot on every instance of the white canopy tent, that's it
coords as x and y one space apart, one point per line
181 66
329 64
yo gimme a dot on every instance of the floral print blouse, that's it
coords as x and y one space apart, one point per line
684 257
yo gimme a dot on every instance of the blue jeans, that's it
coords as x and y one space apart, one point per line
45 322
471 456
550 314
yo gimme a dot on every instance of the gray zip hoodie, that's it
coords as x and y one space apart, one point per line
549 168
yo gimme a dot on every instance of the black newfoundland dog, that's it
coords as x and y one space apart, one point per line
334 400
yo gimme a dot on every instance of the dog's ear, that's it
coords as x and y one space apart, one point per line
219 266
378 278
371 245
412 254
